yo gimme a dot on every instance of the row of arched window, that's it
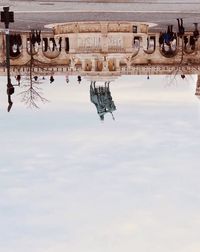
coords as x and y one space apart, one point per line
52 46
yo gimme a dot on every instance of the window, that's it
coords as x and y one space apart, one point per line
134 29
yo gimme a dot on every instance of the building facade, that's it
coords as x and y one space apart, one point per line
100 50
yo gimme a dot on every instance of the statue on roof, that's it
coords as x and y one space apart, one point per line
102 99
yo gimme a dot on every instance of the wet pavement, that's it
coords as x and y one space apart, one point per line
36 14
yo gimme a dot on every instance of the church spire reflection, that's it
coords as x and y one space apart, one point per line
101 97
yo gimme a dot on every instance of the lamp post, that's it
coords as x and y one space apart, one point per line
8 17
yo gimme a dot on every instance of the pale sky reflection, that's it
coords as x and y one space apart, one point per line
71 183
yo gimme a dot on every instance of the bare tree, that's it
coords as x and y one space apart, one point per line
178 70
33 93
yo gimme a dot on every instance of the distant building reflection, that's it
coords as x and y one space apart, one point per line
96 51
101 97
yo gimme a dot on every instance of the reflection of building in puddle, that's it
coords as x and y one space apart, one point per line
93 50
101 48
101 97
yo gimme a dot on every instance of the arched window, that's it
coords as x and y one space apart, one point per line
67 45
168 47
189 44
51 47
99 66
112 65
15 45
88 65
150 44
136 45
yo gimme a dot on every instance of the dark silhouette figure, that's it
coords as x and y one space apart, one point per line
51 79
167 41
161 39
196 31
192 42
181 29
167 38
35 37
45 44
18 78
38 36
170 32
15 44
185 41
183 76
79 79
60 45
18 40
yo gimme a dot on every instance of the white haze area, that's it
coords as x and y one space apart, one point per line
69 182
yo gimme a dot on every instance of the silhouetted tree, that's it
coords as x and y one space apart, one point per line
32 95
